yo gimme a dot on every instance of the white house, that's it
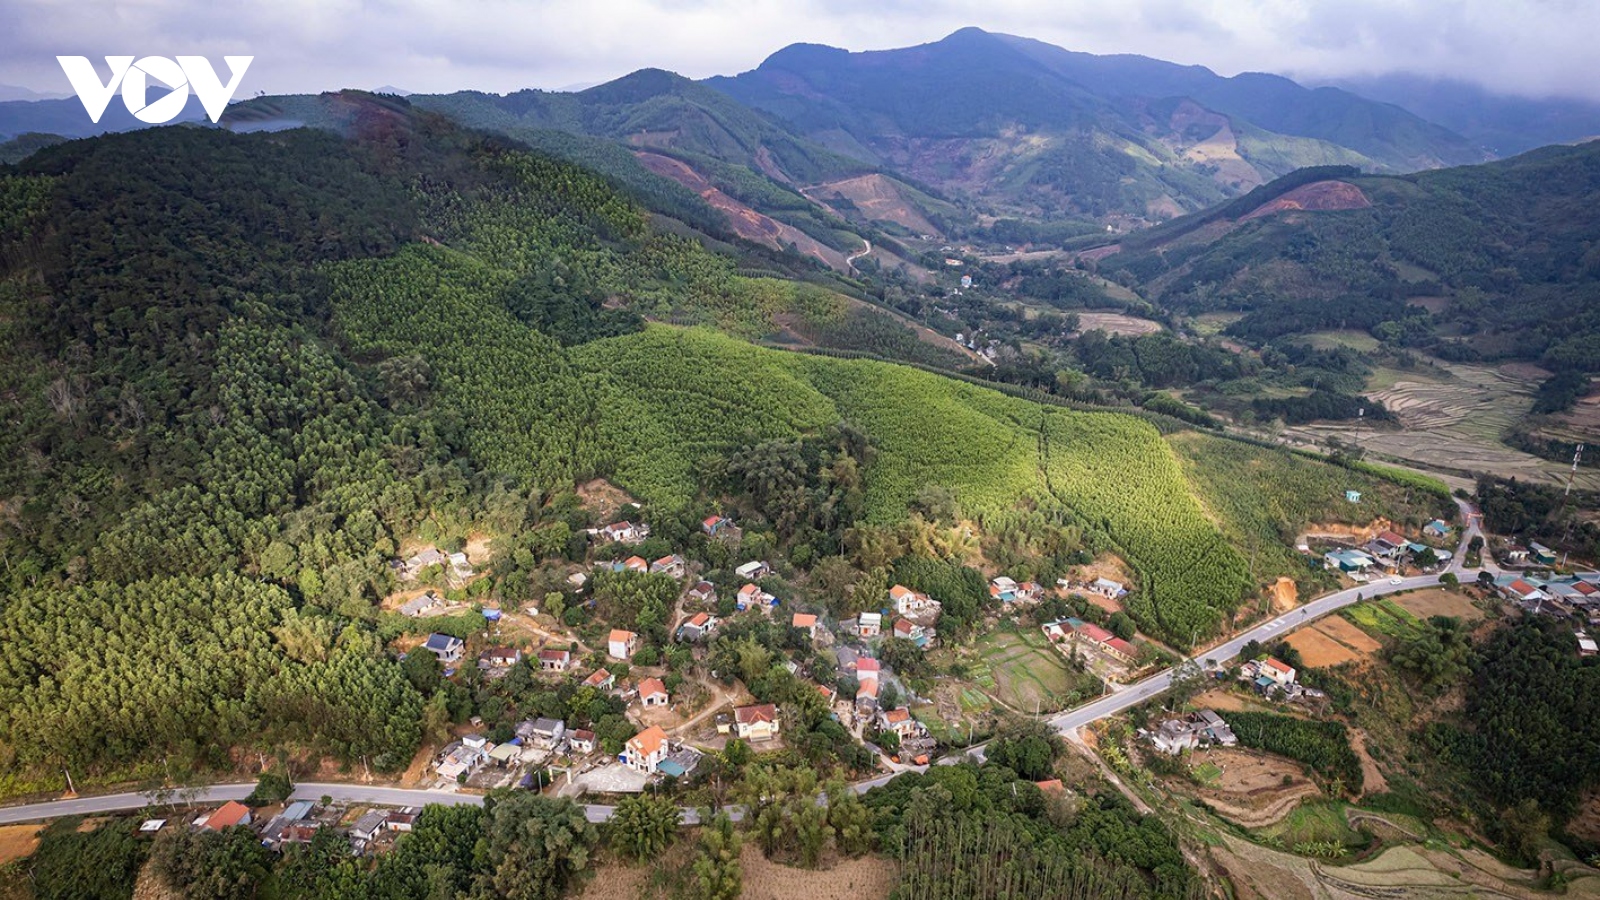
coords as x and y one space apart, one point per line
645 750
621 644
753 570
869 624
447 647
653 693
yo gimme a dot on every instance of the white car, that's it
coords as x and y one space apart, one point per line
1394 581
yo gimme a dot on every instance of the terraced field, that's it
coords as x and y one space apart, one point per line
1451 420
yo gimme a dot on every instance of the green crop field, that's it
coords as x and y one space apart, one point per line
1315 823
1383 617
1021 671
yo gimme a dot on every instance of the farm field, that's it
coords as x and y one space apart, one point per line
1021 670
1115 323
1252 790
957 711
1319 650
1384 617
1451 418
1439 602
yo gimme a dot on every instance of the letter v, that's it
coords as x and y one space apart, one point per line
86 82
203 80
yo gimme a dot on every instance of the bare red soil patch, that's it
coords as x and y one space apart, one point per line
1317 196
745 222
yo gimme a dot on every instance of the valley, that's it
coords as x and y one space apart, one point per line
970 469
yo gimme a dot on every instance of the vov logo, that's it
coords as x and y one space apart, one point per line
134 77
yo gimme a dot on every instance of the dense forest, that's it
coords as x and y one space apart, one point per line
1505 243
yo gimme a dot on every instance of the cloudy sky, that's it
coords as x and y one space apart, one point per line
1514 46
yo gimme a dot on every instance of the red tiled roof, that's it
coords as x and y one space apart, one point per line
896 716
596 678
555 655
899 591
621 636
648 741
1279 664
581 735
1521 587
700 619
903 626
750 715
1391 538
649 687
868 688
1122 646
804 620
227 815
1095 633
1052 786
867 664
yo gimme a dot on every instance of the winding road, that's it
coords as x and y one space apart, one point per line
1067 722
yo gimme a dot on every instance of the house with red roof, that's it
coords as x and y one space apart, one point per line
806 621
621 644
672 564
697 627
225 816
756 723
645 750
899 721
554 660
653 693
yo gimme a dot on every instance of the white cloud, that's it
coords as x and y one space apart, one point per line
1526 46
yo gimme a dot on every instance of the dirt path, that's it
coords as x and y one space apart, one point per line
1372 780
720 698
1076 742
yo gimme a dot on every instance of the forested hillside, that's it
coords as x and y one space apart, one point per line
1043 132
736 149
246 367
1480 262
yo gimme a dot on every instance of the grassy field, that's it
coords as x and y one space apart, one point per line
1021 670
1321 821
1383 617
1355 340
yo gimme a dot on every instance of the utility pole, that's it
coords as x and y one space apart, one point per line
1577 456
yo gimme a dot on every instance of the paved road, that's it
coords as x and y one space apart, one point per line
1065 722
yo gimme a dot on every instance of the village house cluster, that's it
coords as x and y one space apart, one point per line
368 829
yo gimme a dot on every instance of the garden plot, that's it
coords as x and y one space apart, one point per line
1022 671
1331 642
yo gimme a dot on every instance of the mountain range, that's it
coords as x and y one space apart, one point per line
1026 127
841 146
